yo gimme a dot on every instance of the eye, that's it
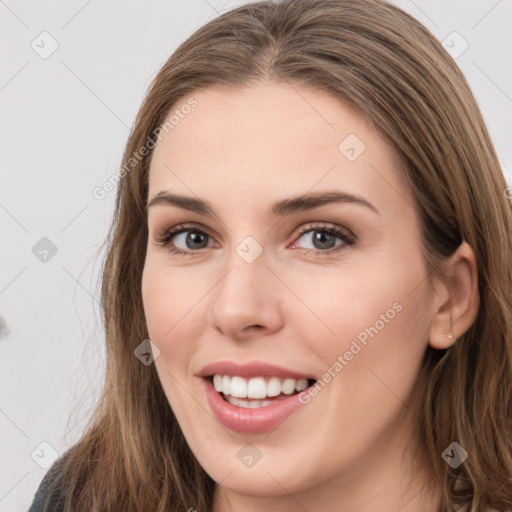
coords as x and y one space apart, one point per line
185 234
324 238
194 239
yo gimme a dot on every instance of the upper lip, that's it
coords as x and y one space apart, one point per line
251 369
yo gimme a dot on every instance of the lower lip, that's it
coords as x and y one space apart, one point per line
249 421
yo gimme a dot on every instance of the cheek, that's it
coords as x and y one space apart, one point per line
168 309
373 316
166 299
373 327
166 304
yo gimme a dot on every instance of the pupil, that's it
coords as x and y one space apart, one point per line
320 237
194 237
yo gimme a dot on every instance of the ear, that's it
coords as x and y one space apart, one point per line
457 299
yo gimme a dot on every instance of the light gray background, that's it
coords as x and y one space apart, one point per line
64 122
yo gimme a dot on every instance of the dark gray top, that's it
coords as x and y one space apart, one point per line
44 501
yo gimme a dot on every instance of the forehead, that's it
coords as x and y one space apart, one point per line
272 139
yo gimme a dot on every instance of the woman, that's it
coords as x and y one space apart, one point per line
370 369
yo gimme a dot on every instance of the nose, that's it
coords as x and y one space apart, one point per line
246 301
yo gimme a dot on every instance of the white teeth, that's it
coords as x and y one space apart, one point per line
301 385
217 382
248 404
288 386
226 384
238 387
256 387
274 387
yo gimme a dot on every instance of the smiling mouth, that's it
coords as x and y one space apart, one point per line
257 391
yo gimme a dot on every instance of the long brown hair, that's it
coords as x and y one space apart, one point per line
370 54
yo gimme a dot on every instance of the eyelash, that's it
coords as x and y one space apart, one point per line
341 233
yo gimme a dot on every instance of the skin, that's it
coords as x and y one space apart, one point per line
242 150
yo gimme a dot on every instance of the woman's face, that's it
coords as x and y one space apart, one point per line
265 297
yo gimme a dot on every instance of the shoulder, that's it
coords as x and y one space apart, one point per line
48 498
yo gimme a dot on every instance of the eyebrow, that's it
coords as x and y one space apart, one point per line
282 208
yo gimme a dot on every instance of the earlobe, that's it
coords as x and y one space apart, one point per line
457 305
441 330
449 335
